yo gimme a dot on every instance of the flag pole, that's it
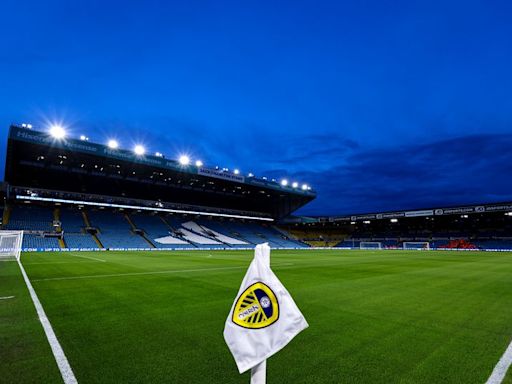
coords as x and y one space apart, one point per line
259 373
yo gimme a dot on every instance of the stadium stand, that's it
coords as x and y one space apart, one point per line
317 238
158 231
196 239
73 226
487 227
31 218
136 230
34 241
114 230
209 233
80 241
458 244
259 233
72 220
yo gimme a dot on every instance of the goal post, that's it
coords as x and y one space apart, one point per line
370 245
417 245
10 245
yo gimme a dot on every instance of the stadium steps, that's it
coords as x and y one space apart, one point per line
138 231
56 217
88 224
129 220
147 240
167 224
62 243
86 219
97 241
6 216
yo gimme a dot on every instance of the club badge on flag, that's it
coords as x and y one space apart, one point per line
264 317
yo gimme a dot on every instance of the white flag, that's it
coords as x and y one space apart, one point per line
264 317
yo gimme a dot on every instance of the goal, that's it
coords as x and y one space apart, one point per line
418 245
10 244
370 245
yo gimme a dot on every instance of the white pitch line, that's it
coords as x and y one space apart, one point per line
62 362
57 262
148 273
6 297
89 257
500 370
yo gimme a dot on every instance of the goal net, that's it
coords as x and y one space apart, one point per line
10 244
418 245
370 245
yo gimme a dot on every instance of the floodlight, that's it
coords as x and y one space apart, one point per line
199 163
250 174
57 131
158 154
284 182
29 126
366 222
184 160
139 150
295 184
236 171
113 144
84 138
394 220
304 187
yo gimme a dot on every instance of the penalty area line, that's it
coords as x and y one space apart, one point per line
58 353
6 297
500 370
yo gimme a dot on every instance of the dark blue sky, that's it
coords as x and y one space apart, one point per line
378 105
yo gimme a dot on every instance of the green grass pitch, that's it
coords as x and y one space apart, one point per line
157 317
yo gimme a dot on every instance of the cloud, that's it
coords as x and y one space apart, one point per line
461 170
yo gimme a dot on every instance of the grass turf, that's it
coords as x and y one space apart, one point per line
155 317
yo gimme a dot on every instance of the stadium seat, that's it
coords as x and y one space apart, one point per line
114 230
31 218
31 241
158 231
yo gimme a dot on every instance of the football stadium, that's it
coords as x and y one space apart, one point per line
228 192
134 260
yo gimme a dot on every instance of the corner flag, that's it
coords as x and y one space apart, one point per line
263 318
